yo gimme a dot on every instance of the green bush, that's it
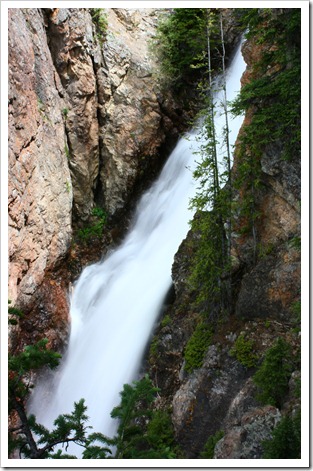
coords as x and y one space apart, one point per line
181 42
243 351
208 449
65 113
100 21
166 320
160 433
95 230
197 346
273 375
286 440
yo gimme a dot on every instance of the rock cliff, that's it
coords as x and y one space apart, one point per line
87 122
220 395
40 188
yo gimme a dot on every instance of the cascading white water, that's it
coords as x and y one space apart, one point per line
116 302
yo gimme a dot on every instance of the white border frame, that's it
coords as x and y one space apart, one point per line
305 213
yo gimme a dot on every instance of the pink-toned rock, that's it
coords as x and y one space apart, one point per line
40 190
72 49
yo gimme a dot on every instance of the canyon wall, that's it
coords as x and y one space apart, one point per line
220 396
87 122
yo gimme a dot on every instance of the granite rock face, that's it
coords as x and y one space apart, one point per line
72 45
132 126
85 128
40 188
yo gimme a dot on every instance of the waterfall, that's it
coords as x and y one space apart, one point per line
116 302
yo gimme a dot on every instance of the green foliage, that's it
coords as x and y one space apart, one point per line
154 347
14 313
94 230
243 351
296 309
160 430
141 433
135 404
295 242
65 113
273 375
100 21
286 440
197 346
67 428
210 262
33 357
274 96
166 320
68 186
20 365
180 42
264 250
208 449
67 152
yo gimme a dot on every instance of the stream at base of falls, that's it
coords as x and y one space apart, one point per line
116 303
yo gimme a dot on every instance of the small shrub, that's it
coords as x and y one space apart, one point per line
243 351
197 346
208 449
65 113
154 348
264 250
166 320
295 242
99 213
100 21
286 441
273 375
14 311
96 229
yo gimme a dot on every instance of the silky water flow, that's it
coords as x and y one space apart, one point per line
116 302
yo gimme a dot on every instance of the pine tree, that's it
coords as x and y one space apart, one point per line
30 438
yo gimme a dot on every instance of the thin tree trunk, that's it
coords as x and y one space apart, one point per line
227 130
229 227
215 165
35 453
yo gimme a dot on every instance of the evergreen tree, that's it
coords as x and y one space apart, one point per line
213 251
138 423
180 41
273 375
29 437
